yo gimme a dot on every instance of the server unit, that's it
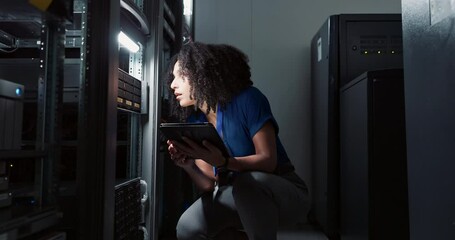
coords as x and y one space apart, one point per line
128 210
345 46
11 107
373 176
129 92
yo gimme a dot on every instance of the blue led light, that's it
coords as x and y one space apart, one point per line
18 92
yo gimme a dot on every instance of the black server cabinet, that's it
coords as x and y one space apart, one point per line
345 46
428 46
373 176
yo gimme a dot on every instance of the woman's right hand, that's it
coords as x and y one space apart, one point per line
179 159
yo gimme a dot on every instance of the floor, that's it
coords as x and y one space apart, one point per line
306 232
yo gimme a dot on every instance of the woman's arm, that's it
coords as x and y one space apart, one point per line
202 175
264 159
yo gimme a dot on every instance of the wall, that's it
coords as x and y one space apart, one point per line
429 44
276 35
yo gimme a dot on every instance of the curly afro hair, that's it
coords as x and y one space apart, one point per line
216 73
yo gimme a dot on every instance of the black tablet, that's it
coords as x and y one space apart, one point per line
195 131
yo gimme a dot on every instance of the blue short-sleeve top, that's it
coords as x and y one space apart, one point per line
241 119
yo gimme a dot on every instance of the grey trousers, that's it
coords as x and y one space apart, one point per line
256 204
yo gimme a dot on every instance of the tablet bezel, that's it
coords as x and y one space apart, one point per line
195 131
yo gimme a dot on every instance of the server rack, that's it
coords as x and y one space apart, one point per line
79 143
30 166
177 30
373 169
345 46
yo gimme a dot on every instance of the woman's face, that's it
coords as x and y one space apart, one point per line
182 88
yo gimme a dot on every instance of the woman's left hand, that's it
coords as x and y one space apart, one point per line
207 151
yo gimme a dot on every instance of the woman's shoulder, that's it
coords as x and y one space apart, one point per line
250 97
250 92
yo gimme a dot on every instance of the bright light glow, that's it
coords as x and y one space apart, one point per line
187 7
125 41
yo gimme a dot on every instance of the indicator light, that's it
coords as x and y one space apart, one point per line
18 92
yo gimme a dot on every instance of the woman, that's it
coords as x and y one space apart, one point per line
256 190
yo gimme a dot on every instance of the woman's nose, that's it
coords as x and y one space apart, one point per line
173 84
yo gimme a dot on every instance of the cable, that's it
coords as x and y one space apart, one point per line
8 51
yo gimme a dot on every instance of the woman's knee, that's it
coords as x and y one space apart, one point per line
188 228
